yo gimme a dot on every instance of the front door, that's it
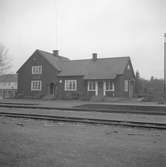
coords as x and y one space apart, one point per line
52 89
131 89
100 88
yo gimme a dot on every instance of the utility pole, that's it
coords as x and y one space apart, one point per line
165 66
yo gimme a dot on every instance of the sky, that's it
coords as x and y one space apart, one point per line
78 28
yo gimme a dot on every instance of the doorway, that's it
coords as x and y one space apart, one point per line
52 89
131 89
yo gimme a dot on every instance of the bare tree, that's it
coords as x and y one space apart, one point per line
4 60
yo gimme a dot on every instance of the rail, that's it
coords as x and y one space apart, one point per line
161 126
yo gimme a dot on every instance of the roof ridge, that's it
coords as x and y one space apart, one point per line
51 54
102 58
39 50
84 59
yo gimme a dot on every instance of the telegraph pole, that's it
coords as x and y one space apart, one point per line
165 66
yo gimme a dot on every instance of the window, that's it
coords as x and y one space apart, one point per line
91 86
36 85
108 85
37 69
70 85
126 85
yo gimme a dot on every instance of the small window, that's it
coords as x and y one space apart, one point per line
36 85
70 85
128 67
126 85
91 85
37 69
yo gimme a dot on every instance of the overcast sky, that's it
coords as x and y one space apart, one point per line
77 28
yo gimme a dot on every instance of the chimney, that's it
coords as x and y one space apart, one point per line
94 56
56 52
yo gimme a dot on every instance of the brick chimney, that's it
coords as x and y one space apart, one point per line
55 52
94 56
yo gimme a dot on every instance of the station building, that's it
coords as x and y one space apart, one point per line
47 74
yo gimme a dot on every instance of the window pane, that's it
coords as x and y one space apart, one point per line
37 69
108 85
36 85
70 85
91 86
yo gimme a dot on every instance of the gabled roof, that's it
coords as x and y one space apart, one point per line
105 68
8 78
52 59
100 69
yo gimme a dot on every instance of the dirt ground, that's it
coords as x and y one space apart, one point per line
31 143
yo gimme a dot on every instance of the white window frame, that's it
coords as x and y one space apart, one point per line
90 88
126 85
37 69
105 89
70 85
36 85
96 87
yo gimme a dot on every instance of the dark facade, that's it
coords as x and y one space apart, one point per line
62 78
47 78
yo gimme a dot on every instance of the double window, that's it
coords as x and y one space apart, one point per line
108 85
70 85
36 85
37 69
91 86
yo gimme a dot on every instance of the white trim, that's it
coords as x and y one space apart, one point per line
73 85
37 69
126 85
36 85
93 90
96 88
89 86
113 86
105 90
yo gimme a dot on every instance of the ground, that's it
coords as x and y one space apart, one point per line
32 143
72 103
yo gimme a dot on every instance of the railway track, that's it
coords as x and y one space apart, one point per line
112 109
161 126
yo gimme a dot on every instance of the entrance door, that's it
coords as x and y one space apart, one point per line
52 89
131 89
100 88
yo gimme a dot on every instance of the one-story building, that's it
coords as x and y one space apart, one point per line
49 74
8 85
